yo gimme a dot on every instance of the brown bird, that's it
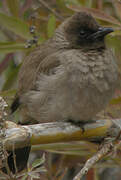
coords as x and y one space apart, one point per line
72 76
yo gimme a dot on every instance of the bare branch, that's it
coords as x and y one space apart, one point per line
90 162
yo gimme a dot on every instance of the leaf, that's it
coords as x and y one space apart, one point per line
15 25
71 152
5 62
116 33
117 6
0 4
8 47
25 177
34 176
13 6
7 93
51 26
40 169
116 101
96 13
11 78
38 162
60 3
76 2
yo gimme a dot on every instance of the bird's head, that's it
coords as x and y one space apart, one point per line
82 31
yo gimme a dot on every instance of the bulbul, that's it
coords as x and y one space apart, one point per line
72 76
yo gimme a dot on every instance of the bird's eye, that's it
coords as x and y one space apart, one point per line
82 33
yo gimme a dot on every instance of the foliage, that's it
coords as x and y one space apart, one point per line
16 17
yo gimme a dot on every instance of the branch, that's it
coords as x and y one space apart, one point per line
21 136
17 136
90 162
107 149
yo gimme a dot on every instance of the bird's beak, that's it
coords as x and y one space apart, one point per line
102 32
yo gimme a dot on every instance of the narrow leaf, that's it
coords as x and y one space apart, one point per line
116 101
15 25
51 26
5 63
38 162
117 6
25 177
11 79
7 93
76 2
13 6
8 47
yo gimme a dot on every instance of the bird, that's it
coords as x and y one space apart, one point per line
70 77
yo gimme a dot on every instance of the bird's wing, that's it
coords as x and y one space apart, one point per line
29 72
33 65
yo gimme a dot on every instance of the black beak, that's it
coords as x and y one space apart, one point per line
102 32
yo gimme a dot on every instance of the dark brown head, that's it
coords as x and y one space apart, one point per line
82 31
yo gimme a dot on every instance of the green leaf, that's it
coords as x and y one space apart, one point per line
25 177
0 4
40 169
8 47
15 25
117 6
60 3
71 152
51 26
116 101
7 93
116 33
11 78
13 6
38 162
34 176
76 2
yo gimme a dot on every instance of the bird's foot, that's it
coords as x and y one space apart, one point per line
80 124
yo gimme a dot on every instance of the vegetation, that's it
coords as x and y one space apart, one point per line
24 24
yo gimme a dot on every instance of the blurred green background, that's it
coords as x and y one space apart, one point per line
16 19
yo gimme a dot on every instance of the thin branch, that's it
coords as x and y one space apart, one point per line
90 162
107 149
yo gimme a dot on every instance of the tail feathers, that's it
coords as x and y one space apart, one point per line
15 105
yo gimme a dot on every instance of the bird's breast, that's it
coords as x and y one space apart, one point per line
91 82
92 70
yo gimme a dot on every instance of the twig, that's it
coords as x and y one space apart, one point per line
50 9
110 146
14 158
90 162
